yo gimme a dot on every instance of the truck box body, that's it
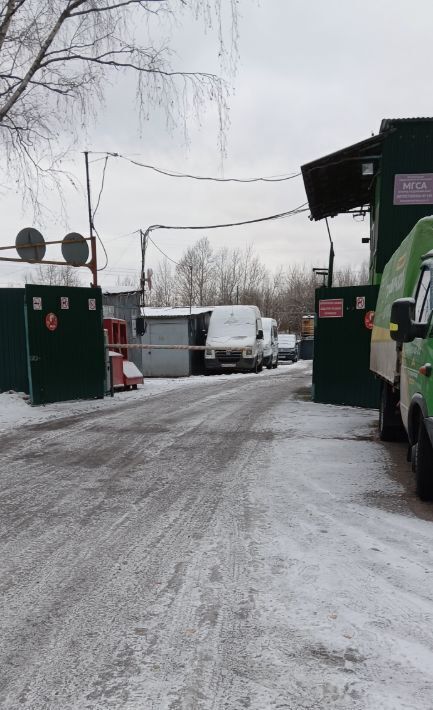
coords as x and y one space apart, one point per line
398 281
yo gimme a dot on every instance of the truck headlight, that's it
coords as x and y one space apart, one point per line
248 352
209 353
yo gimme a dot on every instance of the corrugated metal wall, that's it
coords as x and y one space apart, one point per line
341 366
408 149
13 349
66 362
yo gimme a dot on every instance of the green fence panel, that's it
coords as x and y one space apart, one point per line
341 366
13 350
65 343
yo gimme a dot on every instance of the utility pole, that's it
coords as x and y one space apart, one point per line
143 242
91 226
190 290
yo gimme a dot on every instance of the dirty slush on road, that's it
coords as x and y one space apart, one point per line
188 551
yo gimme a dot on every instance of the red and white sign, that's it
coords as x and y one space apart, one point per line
37 303
360 303
92 304
331 308
64 303
415 189
369 320
51 321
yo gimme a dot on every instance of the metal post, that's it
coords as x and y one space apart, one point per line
92 236
331 257
190 290
143 243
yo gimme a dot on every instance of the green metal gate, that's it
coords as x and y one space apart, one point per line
65 343
341 367
13 350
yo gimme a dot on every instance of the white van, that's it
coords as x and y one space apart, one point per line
287 347
234 339
270 342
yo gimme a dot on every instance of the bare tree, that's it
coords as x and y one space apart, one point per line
163 291
227 274
56 57
52 275
196 274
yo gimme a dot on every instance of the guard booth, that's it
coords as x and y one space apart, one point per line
389 178
341 373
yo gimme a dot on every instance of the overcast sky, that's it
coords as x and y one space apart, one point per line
312 77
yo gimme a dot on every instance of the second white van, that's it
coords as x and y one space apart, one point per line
270 342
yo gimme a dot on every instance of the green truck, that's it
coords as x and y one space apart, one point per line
402 351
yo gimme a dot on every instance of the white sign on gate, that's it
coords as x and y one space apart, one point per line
360 303
37 303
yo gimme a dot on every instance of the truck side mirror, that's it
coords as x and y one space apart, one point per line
402 327
260 335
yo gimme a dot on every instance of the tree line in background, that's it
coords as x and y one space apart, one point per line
205 276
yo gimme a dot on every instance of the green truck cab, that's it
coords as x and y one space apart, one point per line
402 351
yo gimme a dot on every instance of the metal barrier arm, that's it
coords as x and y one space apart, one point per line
139 346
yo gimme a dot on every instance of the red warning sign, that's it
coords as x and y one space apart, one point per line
331 308
51 321
369 320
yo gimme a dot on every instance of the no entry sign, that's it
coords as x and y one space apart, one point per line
51 321
369 320
331 308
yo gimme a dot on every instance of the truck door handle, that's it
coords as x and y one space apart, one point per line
425 370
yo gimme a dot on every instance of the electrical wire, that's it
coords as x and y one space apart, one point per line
281 215
102 268
102 187
175 174
162 252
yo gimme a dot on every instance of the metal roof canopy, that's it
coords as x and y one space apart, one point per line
336 184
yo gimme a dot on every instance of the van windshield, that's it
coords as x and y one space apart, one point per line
232 323
287 341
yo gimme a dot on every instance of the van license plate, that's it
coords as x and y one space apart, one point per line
228 364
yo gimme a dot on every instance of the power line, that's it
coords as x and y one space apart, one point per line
162 252
176 174
281 215
102 187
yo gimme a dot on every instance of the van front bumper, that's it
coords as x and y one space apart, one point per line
287 355
230 364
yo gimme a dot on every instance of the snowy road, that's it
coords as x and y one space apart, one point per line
226 545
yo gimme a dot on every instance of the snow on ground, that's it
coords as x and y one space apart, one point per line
228 547
15 408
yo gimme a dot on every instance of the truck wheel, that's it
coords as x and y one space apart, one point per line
390 424
260 366
422 454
